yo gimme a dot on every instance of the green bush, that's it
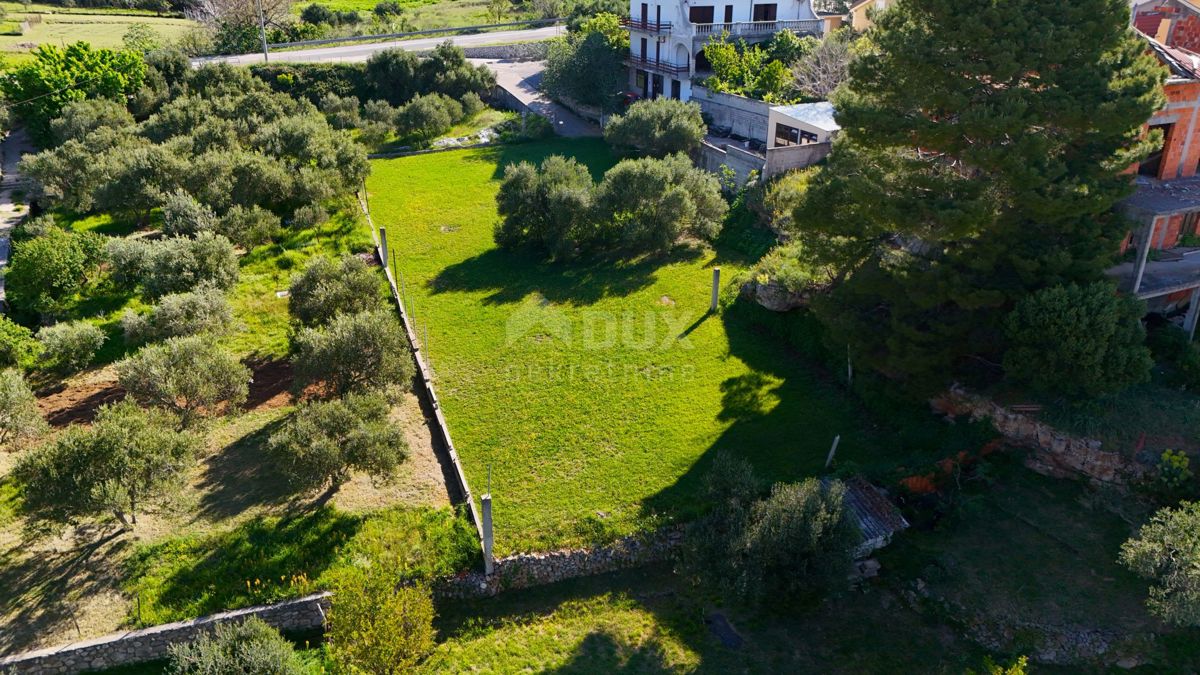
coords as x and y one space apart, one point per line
20 417
17 345
308 217
184 216
353 352
322 443
648 204
530 127
128 260
380 111
1166 550
249 227
70 346
426 117
189 375
180 264
472 105
785 265
314 81
377 627
204 310
341 111
250 646
545 208
326 289
48 271
1179 356
1077 341
657 127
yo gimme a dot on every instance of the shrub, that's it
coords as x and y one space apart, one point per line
323 442
47 271
587 65
1171 347
128 456
392 74
797 542
1167 551
427 117
341 111
180 264
20 417
1077 341
380 111
70 346
648 204
326 289
387 8
17 346
189 375
377 627
353 352
317 13
80 118
249 646
128 260
309 216
783 195
530 127
249 227
657 127
204 310
786 267
184 216
546 209
374 134
32 228
472 105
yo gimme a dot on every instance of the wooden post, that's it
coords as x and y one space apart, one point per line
716 288
383 250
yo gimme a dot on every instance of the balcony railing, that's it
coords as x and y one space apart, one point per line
647 26
703 31
659 66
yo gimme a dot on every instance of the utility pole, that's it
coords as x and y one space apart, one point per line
262 30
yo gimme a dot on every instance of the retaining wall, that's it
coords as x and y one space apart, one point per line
525 570
150 644
747 117
780 160
743 162
1055 453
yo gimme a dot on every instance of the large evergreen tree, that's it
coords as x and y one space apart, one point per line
980 159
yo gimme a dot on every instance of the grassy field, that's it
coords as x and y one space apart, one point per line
101 30
594 393
427 14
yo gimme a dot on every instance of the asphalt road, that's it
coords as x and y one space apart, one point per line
362 52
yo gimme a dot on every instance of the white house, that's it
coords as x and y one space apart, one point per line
801 124
667 38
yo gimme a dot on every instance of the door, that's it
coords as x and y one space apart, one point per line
645 54
700 14
657 16
645 13
675 89
657 51
728 13
764 12
657 85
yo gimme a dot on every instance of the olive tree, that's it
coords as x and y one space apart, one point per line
204 310
1167 551
184 216
323 442
353 352
69 346
648 204
545 208
657 127
325 289
20 418
128 457
48 270
188 375
180 264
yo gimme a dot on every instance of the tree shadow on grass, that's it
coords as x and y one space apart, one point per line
259 561
236 477
603 652
511 276
593 153
40 589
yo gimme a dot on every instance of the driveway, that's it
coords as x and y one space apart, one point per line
11 148
362 52
522 79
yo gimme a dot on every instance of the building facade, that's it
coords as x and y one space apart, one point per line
667 38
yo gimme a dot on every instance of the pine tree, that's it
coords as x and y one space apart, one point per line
980 159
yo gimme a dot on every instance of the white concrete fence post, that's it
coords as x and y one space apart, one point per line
486 517
716 288
383 249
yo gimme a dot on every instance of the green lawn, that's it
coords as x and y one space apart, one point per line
427 14
595 393
101 30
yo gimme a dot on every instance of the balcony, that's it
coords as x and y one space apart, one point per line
702 32
659 66
647 26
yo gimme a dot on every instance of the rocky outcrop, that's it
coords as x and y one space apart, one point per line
1054 453
774 296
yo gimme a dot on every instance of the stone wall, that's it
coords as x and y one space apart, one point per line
1054 453
150 644
525 570
520 51
780 160
745 116
743 162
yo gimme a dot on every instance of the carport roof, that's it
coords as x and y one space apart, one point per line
819 115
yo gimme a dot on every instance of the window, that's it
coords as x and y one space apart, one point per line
640 81
728 13
701 14
644 54
1150 166
675 89
764 13
786 136
1190 221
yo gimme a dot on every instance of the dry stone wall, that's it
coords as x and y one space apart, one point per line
150 644
1054 453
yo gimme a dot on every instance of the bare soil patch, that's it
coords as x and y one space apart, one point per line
76 399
